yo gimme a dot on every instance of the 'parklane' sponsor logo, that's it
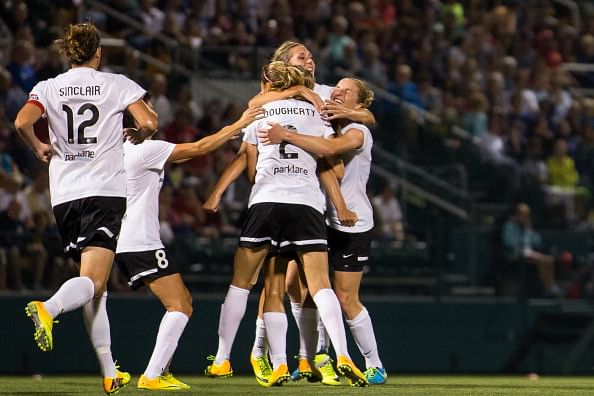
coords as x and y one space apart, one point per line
289 170
85 155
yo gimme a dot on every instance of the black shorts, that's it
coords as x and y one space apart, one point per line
347 251
93 221
284 227
151 264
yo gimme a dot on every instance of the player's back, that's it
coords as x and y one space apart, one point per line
84 108
287 173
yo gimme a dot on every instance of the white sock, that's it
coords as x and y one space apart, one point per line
308 332
362 331
232 311
259 348
322 337
97 324
73 294
170 330
331 315
276 329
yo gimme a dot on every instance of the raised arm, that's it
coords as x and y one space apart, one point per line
298 90
333 110
330 184
349 140
186 151
25 119
146 121
232 172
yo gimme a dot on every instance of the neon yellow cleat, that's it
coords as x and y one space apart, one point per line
157 383
169 377
113 385
279 376
347 368
323 363
262 369
222 370
305 370
43 325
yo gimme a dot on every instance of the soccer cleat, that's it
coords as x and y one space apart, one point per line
279 376
305 370
376 375
169 377
222 370
262 369
113 385
323 363
43 325
347 368
157 383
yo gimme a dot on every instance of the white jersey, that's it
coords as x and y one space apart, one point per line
323 90
144 165
287 173
357 165
84 108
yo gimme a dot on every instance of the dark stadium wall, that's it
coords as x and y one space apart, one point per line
413 337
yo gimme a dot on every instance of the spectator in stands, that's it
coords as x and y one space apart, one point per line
21 65
389 214
563 182
505 169
475 119
161 102
403 87
11 233
523 246
11 94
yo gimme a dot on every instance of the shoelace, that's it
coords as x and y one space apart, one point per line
264 366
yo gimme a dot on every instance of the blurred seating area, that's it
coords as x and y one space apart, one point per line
494 98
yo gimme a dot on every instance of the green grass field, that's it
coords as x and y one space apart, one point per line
426 385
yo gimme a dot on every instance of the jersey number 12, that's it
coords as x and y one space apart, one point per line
81 139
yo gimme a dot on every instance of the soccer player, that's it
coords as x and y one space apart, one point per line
84 109
295 54
348 246
142 256
284 215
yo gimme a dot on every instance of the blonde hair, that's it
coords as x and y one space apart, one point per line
281 75
283 52
366 95
80 42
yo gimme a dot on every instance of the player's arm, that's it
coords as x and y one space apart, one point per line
232 172
298 90
330 184
350 140
25 119
333 110
251 160
337 166
185 151
146 120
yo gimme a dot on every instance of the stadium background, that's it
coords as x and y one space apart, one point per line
442 296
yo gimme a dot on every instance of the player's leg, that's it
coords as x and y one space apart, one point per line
176 299
315 266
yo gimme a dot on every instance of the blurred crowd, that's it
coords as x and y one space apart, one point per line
493 68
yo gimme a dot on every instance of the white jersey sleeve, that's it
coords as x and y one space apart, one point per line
84 108
323 90
144 165
357 166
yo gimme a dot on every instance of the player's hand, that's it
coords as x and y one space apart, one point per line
333 110
133 135
211 205
273 135
346 217
312 97
43 152
251 114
